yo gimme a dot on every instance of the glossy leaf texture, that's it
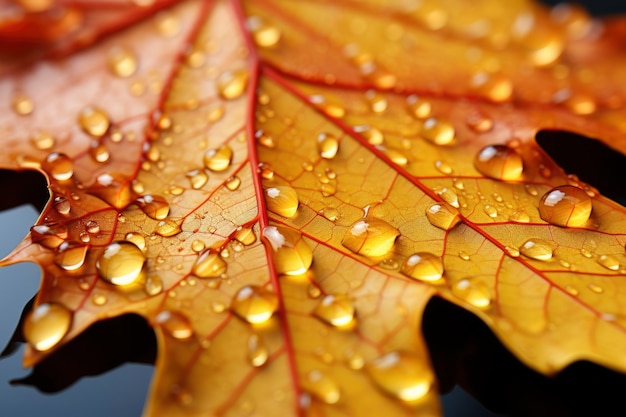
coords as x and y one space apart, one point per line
280 187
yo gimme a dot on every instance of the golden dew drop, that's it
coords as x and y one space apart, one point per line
537 249
59 166
245 236
439 132
209 265
442 215
402 375
499 162
122 62
565 206
254 304
154 206
290 252
219 159
282 200
233 183
327 145
168 228
197 178
264 34
609 262
423 266
43 140
46 325
94 122
257 352
337 310
50 235
70 256
23 105
232 84
175 324
321 387
472 292
371 237
121 263
418 108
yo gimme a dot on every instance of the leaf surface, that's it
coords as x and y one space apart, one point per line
273 172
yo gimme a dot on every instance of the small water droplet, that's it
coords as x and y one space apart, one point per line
175 324
479 123
59 166
197 246
443 215
46 325
94 122
197 178
423 266
538 249
371 134
321 387
464 255
291 254
336 310
264 34
499 162
136 239
219 159
257 352
282 200
154 206
122 62
43 140
474 293
154 285
254 304
571 290
330 213
232 84
62 205
402 375
609 262
495 87
519 216
443 167
209 265
99 299
121 263
50 235
512 251
168 228
490 211
245 235
23 105
449 196
418 108
233 183
371 237
595 288
70 255
439 132
565 206
327 145
377 102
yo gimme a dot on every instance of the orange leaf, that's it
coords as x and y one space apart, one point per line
280 187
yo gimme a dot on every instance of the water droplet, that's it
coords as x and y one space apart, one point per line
371 237
336 310
449 196
495 87
330 213
266 171
321 387
154 206
232 84
50 235
571 290
419 108
122 62
402 375
474 293
328 145
423 266
219 159
43 140
396 156
439 132
94 122
254 304
23 105
136 239
99 299
512 251
264 34
609 262
371 134
377 102
70 255
443 167
209 265
499 162
490 211
233 183
59 166
154 285
46 325
464 255
257 352
538 249
291 254
479 123
245 235
282 200
519 216
121 263
565 206
443 215
175 324
595 288
197 178
62 205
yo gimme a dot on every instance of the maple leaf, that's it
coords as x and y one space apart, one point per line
281 210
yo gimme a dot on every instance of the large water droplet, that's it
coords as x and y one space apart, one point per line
336 310
59 166
291 254
209 265
175 324
371 237
442 215
46 325
219 159
94 122
402 375
499 162
154 206
232 84
70 255
121 263
321 387
423 266
538 249
282 200
254 304
257 352
565 206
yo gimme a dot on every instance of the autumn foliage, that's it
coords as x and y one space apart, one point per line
279 187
